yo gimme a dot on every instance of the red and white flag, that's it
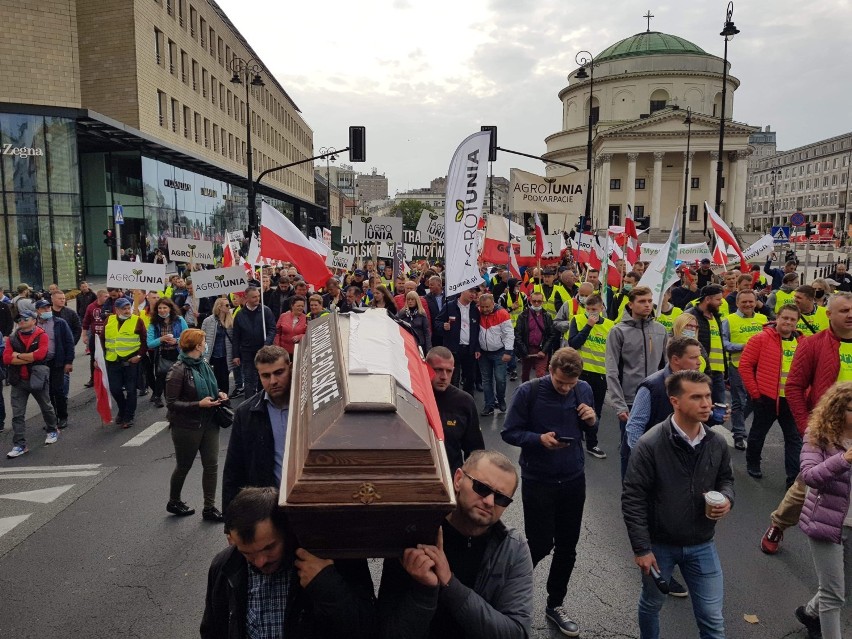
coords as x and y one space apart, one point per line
282 240
495 245
102 394
725 234
227 255
720 254
539 237
631 246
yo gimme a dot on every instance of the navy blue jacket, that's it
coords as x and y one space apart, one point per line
64 342
531 416
248 332
451 337
776 274
661 407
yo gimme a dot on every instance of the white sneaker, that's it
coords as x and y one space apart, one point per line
52 437
17 451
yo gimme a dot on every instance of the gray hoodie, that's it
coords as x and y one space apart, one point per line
634 350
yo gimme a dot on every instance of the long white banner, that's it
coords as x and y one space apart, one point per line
565 194
685 253
197 251
466 181
141 275
219 281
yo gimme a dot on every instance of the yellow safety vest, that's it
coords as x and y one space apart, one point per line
788 349
667 319
724 308
593 350
550 302
742 330
121 342
514 314
845 374
818 322
781 298
716 354
145 316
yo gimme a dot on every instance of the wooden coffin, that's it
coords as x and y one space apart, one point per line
363 473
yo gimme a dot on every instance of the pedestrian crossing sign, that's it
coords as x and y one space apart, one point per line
781 234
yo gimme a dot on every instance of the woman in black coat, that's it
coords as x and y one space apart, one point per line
413 314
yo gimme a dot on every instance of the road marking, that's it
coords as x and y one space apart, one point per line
26 469
82 473
147 434
7 523
42 496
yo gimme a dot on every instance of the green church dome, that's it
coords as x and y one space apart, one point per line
649 43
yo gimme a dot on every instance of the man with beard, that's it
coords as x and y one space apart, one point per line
706 312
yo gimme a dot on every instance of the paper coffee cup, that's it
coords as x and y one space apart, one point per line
711 499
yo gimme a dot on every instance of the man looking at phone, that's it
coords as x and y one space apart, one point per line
547 420
665 505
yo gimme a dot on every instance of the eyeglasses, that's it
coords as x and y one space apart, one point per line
484 490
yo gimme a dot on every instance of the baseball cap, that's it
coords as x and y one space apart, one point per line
360 272
549 271
26 315
705 261
710 289
23 287
122 302
42 304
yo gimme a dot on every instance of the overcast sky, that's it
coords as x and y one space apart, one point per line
421 75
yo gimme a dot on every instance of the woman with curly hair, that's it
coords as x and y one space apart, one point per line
164 331
825 467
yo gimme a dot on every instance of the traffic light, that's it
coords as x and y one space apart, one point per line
809 229
109 238
492 143
357 144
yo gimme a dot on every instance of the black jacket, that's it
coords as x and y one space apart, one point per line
451 337
550 338
73 320
250 460
460 420
662 500
339 602
704 334
248 332
83 300
432 303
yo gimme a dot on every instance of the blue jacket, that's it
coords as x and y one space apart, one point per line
531 416
248 332
63 342
451 337
776 274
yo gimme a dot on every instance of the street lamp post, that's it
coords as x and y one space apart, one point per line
688 123
728 32
775 174
328 159
248 72
584 58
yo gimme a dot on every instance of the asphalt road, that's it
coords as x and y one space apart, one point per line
88 549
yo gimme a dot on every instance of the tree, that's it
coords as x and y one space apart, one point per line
410 211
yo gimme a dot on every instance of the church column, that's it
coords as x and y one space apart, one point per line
605 159
686 187
738 212
656 195
710 197
631 179
730 198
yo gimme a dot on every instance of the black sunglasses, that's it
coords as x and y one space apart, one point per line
484 490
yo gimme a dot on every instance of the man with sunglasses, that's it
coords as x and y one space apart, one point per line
477 580
547 420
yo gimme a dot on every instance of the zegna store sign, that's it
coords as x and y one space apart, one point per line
21 151
185 186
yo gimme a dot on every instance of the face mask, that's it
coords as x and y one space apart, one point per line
627 288
582 299
536 308
819 294
163 314
124 316
45 316
688 332
206 347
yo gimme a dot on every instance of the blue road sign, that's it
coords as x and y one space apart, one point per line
797 219
118 214
781 234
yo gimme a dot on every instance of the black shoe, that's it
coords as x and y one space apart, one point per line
143 392
596 451
238 391
179 508
212 514
513 376
501 407
488 410
677 589
158 402
811 623
61 424
564 623
739 443
126 425
755 472
89 384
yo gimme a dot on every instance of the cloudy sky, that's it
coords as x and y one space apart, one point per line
423 74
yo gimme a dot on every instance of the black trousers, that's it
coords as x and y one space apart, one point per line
465 370
57 391
220 370
553 514
765 414
598 383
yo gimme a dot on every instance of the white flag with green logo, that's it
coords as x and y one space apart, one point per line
660 274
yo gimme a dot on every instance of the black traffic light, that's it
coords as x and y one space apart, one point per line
357 144
492 144
809 229
109 237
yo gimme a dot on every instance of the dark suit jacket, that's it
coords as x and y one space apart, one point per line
432 304
451 337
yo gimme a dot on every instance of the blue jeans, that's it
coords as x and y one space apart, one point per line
740 405
702 572
512 364
122 387
717 387
493 368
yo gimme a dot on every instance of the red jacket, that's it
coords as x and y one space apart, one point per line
815 369
38 355
285 331
760 364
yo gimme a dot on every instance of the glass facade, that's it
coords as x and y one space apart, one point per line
40 213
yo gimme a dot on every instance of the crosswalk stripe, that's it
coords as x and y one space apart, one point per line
81 473
26 469
147 434
7 523
40 496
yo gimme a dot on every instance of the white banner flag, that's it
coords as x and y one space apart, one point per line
219 281
197 251
431 226
387 250
764 245
553 243
141 275
466 180
339 259
661 273
564 194
374 228
686 252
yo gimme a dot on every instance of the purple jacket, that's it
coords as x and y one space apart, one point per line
827 474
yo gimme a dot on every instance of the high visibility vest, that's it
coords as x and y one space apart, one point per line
121 341
145 316
388 284
724 308
519 298
742 330
593 350
818 322
788 349
550 302
781 298
845 372
716 354
667 319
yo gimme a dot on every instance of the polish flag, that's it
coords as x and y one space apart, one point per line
720 253
539 237
227 255
379 345
495 245
631 247
102 394
280 239
725 234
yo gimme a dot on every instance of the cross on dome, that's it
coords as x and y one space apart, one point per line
648 17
